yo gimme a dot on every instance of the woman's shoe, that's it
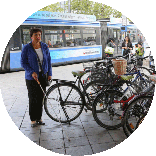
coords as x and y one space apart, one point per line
34 125
40 122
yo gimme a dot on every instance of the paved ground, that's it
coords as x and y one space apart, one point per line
86 137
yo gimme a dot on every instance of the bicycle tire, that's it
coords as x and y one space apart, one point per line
102 116
93 88
67 111
145 71
130 125
140 120
91 77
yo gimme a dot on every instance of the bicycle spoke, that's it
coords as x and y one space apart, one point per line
66 103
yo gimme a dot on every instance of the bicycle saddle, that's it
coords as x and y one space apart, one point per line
126 77
78 73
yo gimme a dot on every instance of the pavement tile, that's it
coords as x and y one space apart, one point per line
59 150
51 135
96 139
97 148
51 144
79 150
74 133
117 135
76 141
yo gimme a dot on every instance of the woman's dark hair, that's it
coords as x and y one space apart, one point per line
109 40
128 39
35 30
140 43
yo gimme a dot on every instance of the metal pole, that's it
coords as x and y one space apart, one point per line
64 7
69 10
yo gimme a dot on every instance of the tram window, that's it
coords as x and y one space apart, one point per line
72 36
72 31
53 31
132 37
73 40
54 40
89 37
25 36
53 37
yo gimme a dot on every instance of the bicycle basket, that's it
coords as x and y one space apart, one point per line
119 66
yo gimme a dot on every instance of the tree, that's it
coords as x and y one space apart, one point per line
85 7
53 8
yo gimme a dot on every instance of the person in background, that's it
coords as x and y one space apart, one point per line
111 43
127 46
109 50
49 44
140 50
139 54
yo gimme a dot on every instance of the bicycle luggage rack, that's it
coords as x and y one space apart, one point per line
62 81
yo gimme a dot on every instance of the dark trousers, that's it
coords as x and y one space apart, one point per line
35 95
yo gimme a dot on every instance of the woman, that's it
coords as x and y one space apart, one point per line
111 43
127 46
33 74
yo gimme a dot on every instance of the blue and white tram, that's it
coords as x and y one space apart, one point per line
71 38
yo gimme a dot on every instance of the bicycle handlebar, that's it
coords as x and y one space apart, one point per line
110 58
142 58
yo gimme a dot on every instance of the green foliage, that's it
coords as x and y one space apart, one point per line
85 7
53 8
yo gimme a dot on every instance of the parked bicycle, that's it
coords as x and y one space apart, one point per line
64 101
136 111
115 99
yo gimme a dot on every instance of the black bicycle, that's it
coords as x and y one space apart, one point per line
64 101
136 111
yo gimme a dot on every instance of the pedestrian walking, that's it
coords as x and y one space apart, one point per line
127 46
34 73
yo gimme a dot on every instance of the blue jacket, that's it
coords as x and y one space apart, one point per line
30 64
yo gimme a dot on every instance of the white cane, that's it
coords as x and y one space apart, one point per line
57 117
41 88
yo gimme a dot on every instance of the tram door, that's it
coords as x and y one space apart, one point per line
117 40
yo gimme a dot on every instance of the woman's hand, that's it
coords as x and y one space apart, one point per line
49 78
34 75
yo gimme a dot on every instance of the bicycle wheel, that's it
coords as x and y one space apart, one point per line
136 109
106 114
92 89
92 77
140 120
67 109
145 70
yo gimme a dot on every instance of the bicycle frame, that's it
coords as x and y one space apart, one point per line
138 76
85 94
